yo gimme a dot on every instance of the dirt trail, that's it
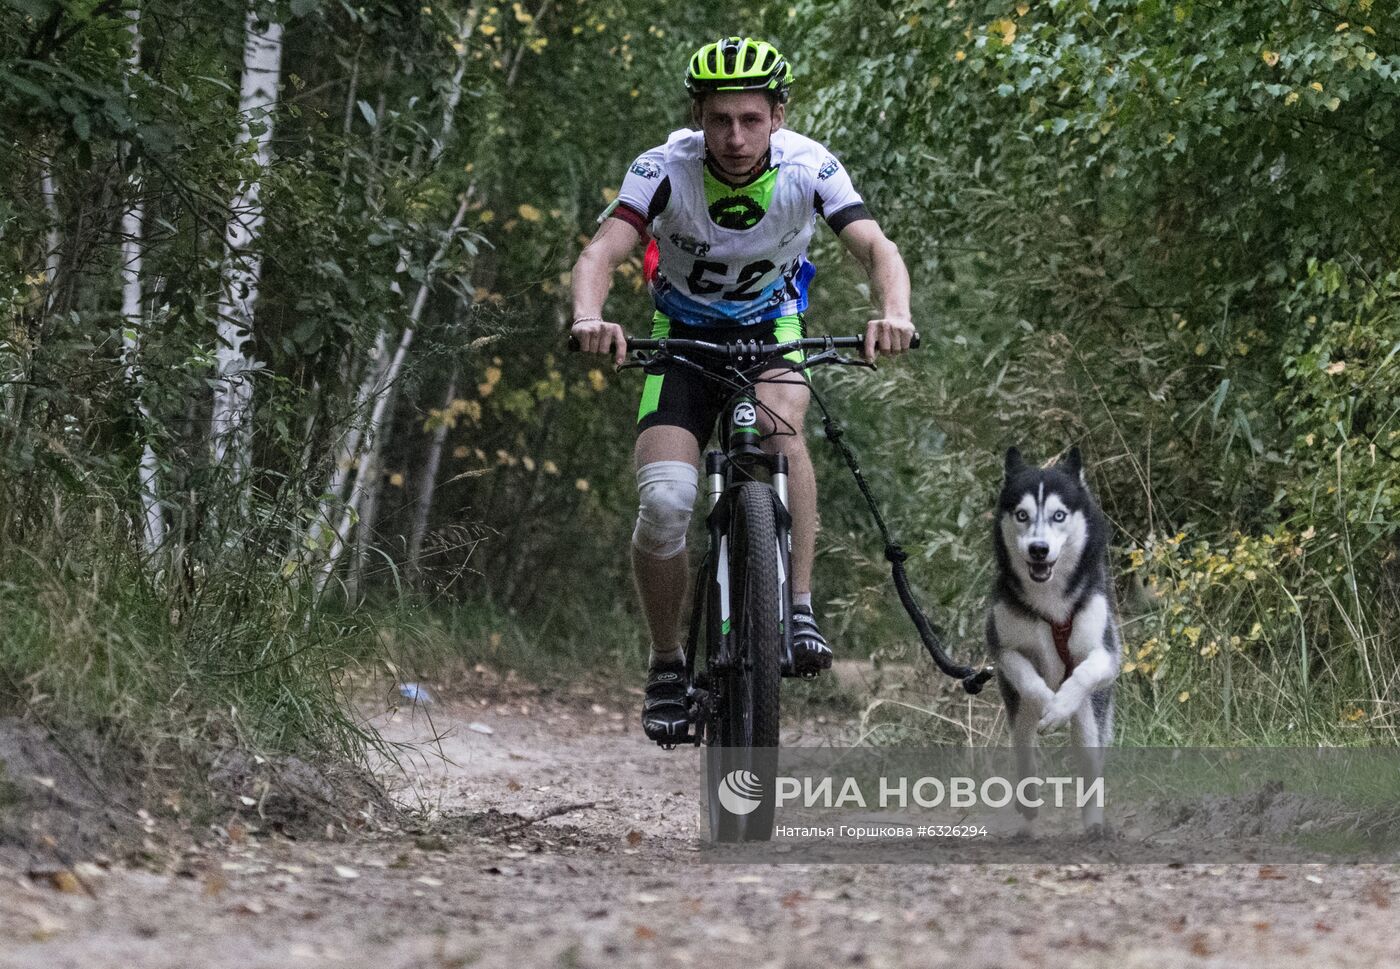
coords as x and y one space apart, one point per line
619 883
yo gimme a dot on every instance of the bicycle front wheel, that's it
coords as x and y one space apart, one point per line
746 758
756 616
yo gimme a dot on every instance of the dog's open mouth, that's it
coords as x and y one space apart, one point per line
1040 571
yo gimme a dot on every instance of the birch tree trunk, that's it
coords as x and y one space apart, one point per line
427 483
133 322
53 238
367 469
231 440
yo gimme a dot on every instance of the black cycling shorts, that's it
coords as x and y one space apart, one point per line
683 398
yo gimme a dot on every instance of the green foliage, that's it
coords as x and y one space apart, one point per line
1158 229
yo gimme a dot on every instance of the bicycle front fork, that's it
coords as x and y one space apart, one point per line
721 473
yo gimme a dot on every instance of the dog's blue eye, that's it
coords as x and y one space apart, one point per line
1059 516
1021 516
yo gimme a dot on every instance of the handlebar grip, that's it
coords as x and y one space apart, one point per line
574 345
914 343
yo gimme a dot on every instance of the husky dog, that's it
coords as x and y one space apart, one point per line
1053 627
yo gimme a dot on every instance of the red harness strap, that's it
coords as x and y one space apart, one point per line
1061 630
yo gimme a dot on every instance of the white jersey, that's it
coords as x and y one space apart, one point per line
734 256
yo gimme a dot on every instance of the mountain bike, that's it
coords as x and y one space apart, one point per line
742 602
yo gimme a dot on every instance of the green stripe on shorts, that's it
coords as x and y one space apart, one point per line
651 390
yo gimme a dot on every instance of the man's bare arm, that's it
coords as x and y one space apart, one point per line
589 284
893 330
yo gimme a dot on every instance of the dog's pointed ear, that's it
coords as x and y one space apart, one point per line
1014 463
1073 464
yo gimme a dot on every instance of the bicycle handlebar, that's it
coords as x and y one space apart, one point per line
750 349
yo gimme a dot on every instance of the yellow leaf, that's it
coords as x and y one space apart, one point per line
396 480
1291 98
1333 103
1022 8
597 380
1004 26
529 213
609 194
549 467
1183 696
486 215
960 56
460 451
528 462
1368 29
1270 57
487 30
1341 27
1316 86
581 484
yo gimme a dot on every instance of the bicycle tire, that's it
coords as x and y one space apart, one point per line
752 728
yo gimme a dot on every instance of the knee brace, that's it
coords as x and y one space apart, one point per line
667 491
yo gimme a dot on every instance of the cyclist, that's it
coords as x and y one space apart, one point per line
730 210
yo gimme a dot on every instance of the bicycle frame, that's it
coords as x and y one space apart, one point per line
742 460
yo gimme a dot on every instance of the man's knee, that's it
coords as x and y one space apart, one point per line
667 491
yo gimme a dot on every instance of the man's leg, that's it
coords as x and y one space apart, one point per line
662 579
667 486
787 397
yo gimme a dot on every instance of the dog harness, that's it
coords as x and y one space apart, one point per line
1060 631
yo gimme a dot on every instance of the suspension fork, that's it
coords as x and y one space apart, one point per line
720 475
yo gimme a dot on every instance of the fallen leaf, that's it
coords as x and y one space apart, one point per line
346 872
1270 872
1378 894
634 837
1199 945
1322 926
66 882
643 933
214 885
793 898
513 785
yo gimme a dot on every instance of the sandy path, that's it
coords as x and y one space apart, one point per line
621 884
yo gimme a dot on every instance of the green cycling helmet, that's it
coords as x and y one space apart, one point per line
739 64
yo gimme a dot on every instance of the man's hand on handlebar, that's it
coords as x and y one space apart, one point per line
600 336
887 335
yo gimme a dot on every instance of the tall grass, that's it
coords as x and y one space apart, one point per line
228 650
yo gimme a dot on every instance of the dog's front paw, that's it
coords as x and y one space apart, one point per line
1057 712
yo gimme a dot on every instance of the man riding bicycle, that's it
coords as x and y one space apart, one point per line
730 209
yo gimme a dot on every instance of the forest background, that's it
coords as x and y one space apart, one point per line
286 405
